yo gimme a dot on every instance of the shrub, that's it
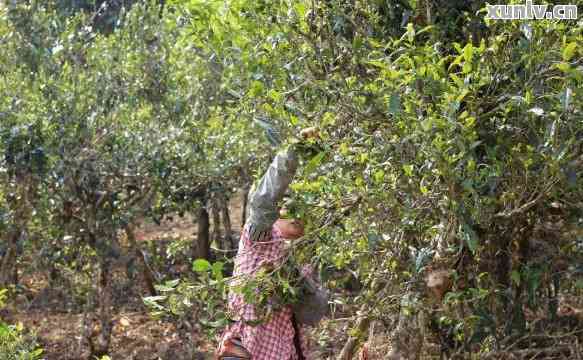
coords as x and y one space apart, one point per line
15 344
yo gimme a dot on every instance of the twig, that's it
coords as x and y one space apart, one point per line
525 207
531 353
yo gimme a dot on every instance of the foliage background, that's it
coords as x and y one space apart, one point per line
446 203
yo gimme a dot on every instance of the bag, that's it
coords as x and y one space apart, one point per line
312 305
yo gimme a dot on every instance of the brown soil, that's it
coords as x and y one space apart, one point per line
135 336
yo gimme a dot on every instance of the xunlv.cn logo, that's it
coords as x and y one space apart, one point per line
530 11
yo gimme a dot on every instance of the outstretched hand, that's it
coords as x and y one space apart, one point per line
307 144
310 133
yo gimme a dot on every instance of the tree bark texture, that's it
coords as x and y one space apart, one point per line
148 276
228 240
8 264
99 325
201 247
216 219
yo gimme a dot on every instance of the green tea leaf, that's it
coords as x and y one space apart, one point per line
468 52
217 270
395 104
201 265
314 163
569 51
469 236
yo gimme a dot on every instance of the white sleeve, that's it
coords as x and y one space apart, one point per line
263 211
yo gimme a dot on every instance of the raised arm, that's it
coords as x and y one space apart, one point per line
263 210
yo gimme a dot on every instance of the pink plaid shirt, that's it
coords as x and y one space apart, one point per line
274 338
